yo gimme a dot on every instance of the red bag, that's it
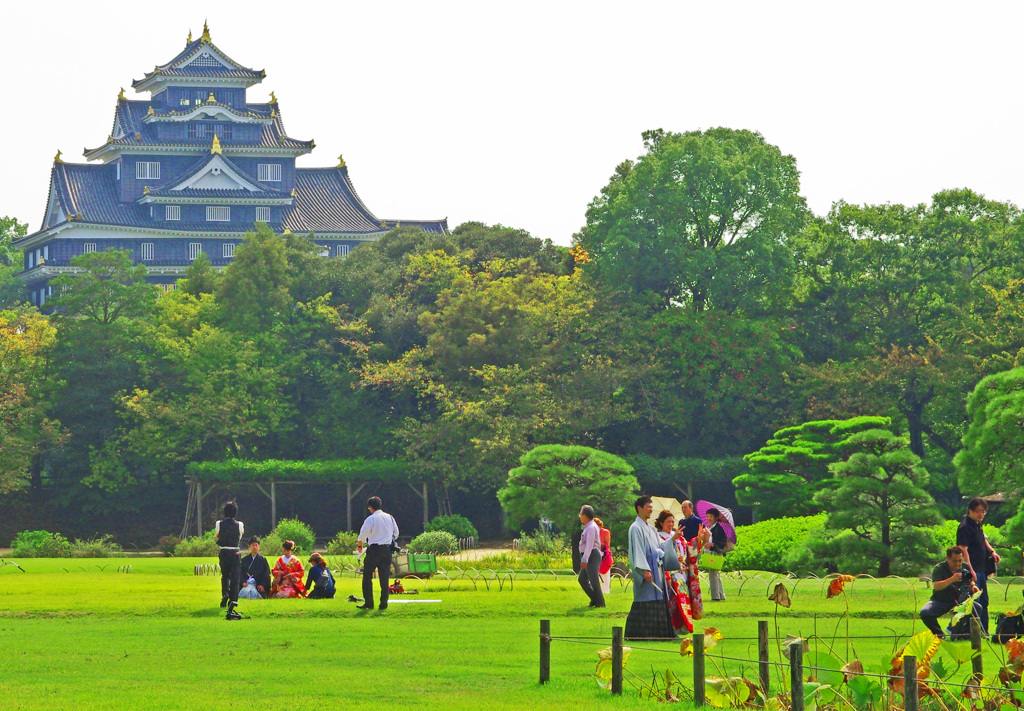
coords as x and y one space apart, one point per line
606 561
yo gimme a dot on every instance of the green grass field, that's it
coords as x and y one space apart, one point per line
86 638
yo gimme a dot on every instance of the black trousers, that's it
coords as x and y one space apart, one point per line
230 572
590 579
378 558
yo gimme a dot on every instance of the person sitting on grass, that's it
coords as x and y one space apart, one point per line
255 573
952 583
288 574
320 581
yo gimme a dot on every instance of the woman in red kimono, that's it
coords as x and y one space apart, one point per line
287 574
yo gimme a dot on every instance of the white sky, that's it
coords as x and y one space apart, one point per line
517 113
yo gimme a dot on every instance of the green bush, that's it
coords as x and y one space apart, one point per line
767 545
543 542
525 561
436 542
270 546
40 544
197 546
167 544
458 526
292 529
100 547
343 544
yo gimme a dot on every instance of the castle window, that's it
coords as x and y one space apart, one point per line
269 173
227 249
206 131
263 214
185 102
172 212
146 251
194 248
218 214
147 170
88 247
343 250
206 60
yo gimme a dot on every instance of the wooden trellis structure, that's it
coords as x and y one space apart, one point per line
203 478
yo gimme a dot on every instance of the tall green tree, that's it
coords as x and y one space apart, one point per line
701 219
12 289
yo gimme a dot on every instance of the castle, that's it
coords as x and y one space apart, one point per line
191 170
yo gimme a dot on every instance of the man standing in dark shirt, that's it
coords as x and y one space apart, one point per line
690 522
970 539
951 582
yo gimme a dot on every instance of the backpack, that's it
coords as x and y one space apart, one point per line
1008 626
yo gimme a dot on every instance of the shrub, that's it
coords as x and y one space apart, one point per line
292 529
40 544
197 546
436 542
101 547
458 526
767 545
167 544
525 561
270 546
544 542
343 544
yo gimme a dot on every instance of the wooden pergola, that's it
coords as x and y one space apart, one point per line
203 478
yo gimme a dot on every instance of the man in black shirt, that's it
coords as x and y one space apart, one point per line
951 583
256 567
228 534
970 539
690 522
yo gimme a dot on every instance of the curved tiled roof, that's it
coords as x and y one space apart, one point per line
326 202
174 68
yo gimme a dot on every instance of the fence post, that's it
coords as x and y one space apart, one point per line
762 655
617 661
698 669
796 676
979 674
545 651
909 682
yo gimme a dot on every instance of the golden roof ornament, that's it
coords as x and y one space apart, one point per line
273 99
150 112
189 40
215 148
206 32
273 113
145 190
56 158
120 95
138 135
383 224
293 192
211 98
341 162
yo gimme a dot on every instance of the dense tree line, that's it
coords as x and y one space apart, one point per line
701 309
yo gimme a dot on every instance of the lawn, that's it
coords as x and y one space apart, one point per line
78 634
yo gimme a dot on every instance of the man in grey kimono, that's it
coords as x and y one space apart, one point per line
649 557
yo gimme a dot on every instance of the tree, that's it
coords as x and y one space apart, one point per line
993 446
553 481
200 277
254 288
109 286
12 289
878 506
700 220
793 466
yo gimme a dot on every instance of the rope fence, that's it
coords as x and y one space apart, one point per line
795 664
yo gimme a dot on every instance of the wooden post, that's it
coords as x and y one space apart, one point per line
617 661
762 655
698 669
348 506
978 674
909 682
273 505
796 676
545 651
426 510
199 508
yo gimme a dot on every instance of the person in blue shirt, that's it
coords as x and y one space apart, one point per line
320 581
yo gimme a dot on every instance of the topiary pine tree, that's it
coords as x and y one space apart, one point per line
879 497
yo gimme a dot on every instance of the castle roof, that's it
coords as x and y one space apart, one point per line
201 59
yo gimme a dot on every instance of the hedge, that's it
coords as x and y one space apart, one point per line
654 471
326 471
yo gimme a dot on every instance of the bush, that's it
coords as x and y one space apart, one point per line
543 542
767 545
292 529
525 561
167 544
270 546
101 547
343 544
436 542
197 546
458 526
40 544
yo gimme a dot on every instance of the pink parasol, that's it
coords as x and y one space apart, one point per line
726 519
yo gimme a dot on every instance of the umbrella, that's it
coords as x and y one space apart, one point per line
666 503
726 519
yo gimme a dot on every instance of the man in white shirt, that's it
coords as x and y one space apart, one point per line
379 531
590 557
